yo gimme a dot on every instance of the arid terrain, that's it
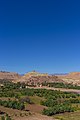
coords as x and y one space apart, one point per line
73 78
35 77
30 77
9 76
15 114
40 96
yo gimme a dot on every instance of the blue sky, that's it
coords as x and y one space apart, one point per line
41 35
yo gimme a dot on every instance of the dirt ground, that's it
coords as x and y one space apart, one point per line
59 89
36 117
24 115
35 108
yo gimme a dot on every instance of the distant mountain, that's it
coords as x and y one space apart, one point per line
72 77
36 77
59 74
21 74
9 75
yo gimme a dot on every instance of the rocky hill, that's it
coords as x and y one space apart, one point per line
35 77
9 76
73 77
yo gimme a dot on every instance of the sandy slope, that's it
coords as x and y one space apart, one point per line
36 117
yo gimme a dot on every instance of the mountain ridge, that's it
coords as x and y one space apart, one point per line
36 77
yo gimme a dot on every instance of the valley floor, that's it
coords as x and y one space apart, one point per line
34 110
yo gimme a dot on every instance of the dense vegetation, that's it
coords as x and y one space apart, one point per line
61 85
56 109
12 104
56 101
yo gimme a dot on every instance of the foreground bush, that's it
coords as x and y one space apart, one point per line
12 104
58 109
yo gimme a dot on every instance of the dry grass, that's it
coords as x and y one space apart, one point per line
68 116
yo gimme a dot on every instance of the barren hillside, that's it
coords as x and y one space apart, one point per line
9 76
73 77
35 77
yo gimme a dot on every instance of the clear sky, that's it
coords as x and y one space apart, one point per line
41 35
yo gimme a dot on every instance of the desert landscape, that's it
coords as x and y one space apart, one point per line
39 96
39 60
